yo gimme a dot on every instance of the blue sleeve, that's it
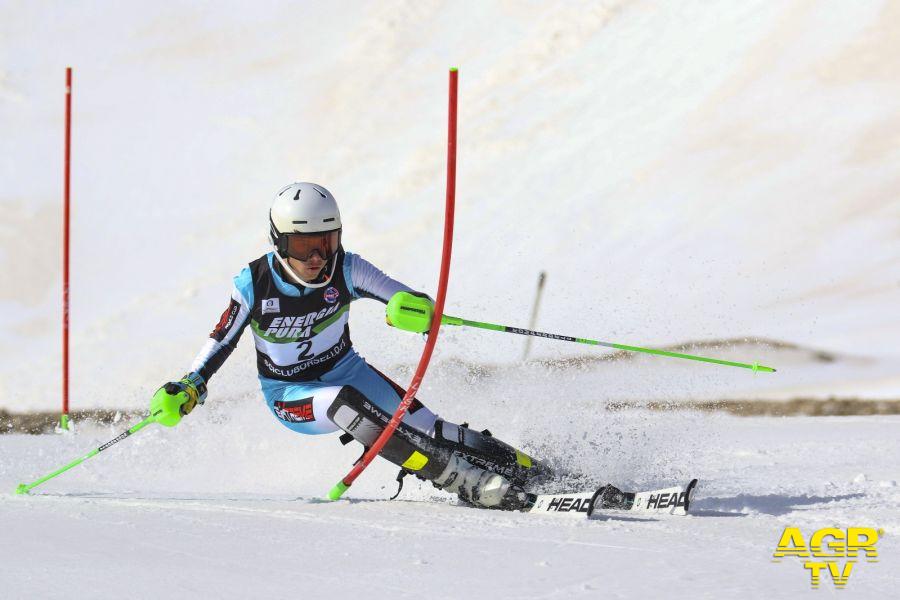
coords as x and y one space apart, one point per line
243 284
348 275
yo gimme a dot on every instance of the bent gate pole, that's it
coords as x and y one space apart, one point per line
64 416
342 486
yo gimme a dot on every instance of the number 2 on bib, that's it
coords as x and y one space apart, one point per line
304 348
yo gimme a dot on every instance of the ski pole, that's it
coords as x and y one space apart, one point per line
413 313
443 277
24 487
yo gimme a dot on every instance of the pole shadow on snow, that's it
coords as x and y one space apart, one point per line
612 517
162 497
145 497
769 504
716 513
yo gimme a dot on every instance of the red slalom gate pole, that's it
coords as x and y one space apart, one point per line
342 486
64 417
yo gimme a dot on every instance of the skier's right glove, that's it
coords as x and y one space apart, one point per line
177 398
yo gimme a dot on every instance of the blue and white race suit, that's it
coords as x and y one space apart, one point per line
303 347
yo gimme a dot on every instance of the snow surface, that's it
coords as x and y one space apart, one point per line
227 506
685 171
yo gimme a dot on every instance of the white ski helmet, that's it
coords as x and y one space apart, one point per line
300 211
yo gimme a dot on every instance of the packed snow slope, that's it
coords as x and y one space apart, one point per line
227 506
683 171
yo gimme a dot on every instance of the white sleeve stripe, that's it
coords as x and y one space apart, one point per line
212 346
239 320
209 348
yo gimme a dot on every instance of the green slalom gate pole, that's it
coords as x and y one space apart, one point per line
24 487
413 313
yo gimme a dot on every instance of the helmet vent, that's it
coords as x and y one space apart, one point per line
297 195
321 192
299 222
328 220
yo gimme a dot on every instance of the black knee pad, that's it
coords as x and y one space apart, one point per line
408 447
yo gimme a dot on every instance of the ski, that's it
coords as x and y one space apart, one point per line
673 500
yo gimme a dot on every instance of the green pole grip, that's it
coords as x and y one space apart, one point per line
410 312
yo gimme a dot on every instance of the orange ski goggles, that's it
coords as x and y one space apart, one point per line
302 245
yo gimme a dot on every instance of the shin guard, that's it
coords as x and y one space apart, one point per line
432 459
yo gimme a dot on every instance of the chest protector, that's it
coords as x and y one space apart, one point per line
298 338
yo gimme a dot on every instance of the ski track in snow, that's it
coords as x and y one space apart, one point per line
154 524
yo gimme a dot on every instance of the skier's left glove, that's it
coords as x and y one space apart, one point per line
177 398
410 311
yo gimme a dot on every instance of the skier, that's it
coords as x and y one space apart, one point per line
296 300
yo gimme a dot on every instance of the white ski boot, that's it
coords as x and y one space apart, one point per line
480 487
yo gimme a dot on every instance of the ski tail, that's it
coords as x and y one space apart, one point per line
675 500
689 494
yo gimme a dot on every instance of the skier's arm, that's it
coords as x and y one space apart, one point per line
365 280
224 337
178 398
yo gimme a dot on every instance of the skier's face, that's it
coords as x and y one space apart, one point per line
308 269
